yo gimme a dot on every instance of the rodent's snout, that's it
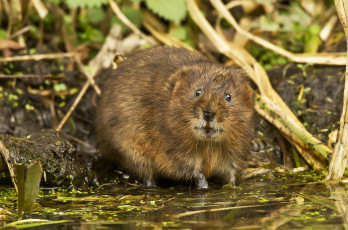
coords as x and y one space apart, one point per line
207 126
208 115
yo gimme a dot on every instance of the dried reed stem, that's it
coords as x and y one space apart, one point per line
320 58
128 23
339 159
37 57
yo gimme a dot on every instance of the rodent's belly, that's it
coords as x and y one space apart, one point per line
210 158
214 161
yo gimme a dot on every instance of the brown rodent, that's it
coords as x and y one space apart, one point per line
171 113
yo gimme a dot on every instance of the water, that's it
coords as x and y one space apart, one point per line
283 202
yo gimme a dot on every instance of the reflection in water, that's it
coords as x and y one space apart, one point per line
259 203
339 194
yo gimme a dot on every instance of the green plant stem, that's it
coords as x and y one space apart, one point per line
294 132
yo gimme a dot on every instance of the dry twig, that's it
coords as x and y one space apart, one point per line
6 76
128 23
90 76
7 158
96 64
20 32
40 8
73 106
189 213
37 57
165 38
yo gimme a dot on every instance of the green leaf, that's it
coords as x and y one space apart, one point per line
266 24
312 45
29 107
298 15
3 34
60 87
32 184
179 33
285 21
85 3
20 179
28 183
95 15
172 10
135 16
91 35
314 29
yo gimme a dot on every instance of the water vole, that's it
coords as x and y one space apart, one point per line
171 113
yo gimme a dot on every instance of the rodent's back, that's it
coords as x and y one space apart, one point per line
140 85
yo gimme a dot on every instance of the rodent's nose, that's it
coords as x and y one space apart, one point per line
208 115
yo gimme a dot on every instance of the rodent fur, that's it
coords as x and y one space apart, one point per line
164 113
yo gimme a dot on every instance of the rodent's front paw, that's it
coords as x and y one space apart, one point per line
150 183
233 179
200 181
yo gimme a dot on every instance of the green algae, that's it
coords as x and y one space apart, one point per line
257 203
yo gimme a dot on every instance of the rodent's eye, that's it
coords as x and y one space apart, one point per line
198 92
227 97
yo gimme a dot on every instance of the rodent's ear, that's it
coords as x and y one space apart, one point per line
118 58
239 73
176 79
